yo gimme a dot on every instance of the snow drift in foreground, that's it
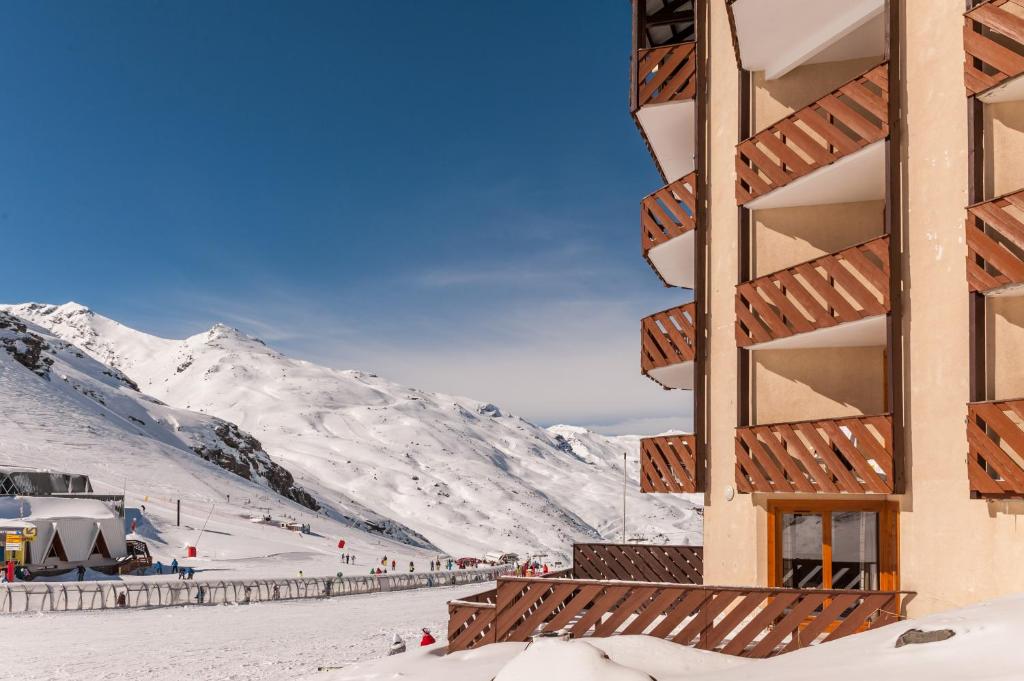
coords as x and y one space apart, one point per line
434 469
985 647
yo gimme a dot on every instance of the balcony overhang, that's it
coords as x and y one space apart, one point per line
671 132
667 347
1011 90
667 231
868 332
857 177
665 84
852 455
777 37
673 260
837 300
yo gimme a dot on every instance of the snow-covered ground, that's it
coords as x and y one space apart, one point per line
260 641
985 647
434 470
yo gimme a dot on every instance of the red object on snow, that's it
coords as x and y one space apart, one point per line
191 552
427 638
10 571
341 543
545 568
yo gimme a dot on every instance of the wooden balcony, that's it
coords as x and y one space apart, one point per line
668 218
995 243
667 346
852 455
995 439
745 621
669 464
994 47
809 141
665 74
818 296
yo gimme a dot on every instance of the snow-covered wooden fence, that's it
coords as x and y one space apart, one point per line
61 596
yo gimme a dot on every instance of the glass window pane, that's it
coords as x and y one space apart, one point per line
801 551
854 550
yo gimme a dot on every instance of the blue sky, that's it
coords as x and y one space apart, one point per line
446 197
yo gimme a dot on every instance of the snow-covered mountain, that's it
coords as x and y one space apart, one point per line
463 474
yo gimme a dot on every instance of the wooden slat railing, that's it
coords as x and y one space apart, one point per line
995 439
749 622
852 454
834 289
995 242
666 74
993 44
840 123
639 562
471 621
669 212
669 464
668 337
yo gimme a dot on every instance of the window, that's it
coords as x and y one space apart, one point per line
833 545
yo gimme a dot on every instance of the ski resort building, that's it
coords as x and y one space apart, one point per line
52 522
844 197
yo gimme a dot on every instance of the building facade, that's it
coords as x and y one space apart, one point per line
830 166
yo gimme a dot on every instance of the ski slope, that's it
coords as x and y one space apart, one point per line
463 475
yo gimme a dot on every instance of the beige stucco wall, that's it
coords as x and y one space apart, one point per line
784 237
776 99
1004 325
1004 169
954 550
797 385
734 531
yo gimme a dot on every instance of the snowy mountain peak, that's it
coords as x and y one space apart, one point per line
465 475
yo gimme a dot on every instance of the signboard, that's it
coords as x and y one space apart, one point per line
12 541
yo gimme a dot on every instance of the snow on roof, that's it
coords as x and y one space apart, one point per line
41 508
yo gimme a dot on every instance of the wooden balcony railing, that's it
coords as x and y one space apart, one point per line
749 622
669 212
994 44
665 74
843 287
995 439
669 464
639 562
853 455
668 338
840 123
471 621
995 242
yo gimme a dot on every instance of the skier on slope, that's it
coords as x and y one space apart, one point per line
393 564
427 638
412 566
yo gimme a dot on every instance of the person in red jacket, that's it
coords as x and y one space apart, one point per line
427 638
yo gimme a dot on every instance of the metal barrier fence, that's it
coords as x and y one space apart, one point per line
60 596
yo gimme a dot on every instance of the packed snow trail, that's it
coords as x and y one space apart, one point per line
251 642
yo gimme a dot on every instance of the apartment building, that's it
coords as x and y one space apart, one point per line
844 197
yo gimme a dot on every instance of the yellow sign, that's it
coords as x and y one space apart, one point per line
12 541
30 533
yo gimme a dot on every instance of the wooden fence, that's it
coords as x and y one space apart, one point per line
639 562
668 337
749 622
669 212
847 286
852 454
993 44
846 120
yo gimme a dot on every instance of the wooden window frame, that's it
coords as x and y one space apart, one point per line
888 535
